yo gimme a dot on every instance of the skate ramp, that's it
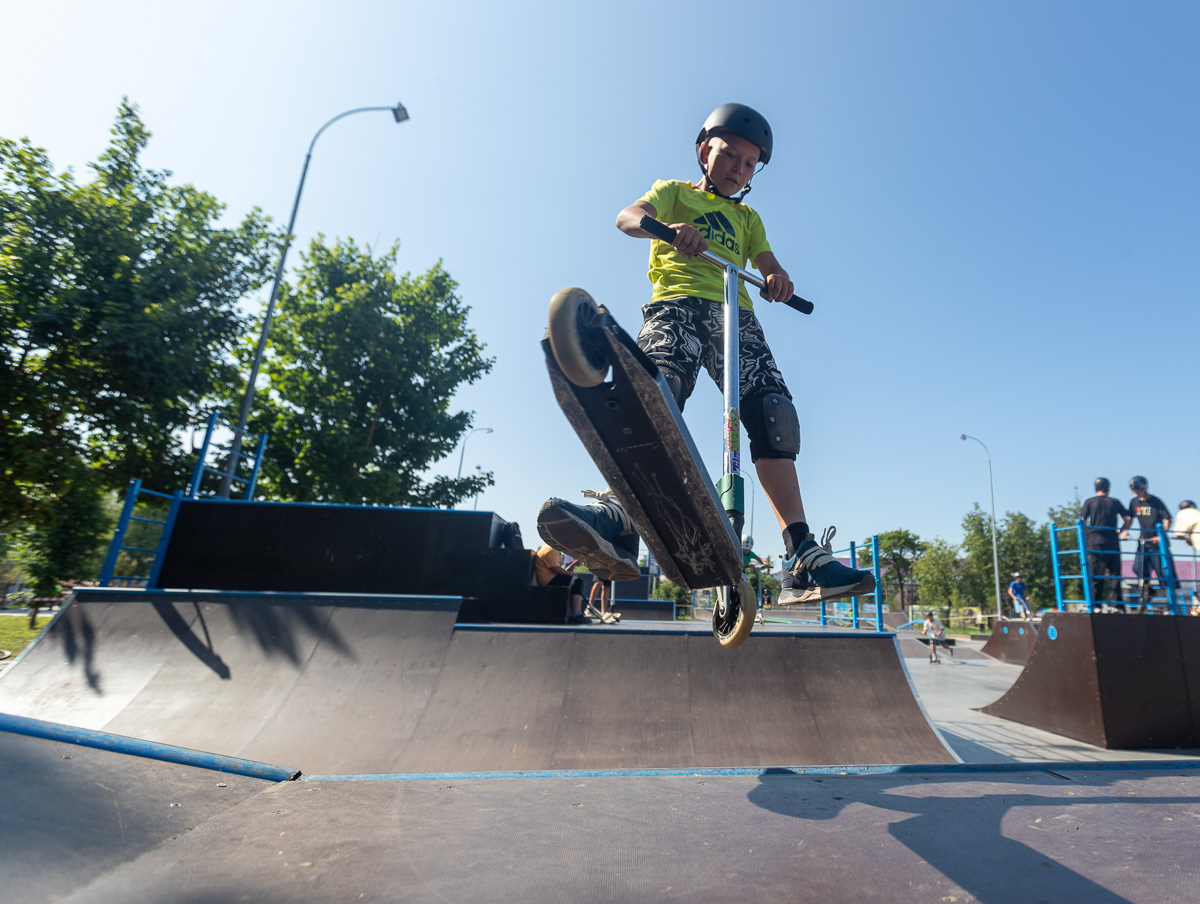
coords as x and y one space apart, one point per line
1012 640
348 685
1115 681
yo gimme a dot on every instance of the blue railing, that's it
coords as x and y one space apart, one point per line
133 494
1163 555
202 467
108 577
852 610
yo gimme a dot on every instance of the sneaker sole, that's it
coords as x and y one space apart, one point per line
578 539
816 594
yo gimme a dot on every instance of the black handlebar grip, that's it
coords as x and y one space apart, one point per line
658 230
667 234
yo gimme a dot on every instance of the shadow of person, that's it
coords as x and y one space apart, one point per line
201 649
78 638
953 828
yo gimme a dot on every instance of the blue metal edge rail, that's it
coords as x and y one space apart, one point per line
167 753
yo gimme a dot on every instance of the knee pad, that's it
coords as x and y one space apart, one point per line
773 426
675 384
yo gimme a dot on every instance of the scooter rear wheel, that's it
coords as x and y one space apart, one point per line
573 317
733 616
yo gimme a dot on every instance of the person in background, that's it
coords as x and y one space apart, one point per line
1100 515
549 568
604 612
936 632
1016 592
1150 512
1187 527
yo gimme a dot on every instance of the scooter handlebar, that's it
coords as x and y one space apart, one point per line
665 233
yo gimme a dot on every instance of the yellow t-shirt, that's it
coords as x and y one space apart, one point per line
734 232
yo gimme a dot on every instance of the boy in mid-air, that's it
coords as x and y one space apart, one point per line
682 331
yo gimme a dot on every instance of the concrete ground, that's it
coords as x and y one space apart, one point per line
951 692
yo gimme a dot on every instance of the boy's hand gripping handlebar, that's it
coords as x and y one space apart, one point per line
667 234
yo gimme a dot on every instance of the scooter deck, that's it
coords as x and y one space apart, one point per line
634 432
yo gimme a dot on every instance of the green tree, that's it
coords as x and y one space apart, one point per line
977 578
118 314
669 590
898 550
362 368
937 572
1025 547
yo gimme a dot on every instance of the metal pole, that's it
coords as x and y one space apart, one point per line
733 497
464 446
235 450
992 497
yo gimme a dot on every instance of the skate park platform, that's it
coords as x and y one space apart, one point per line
1028 815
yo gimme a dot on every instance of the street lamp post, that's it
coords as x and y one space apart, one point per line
464 451
400 115
992 495
464 445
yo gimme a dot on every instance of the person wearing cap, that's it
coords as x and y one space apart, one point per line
1016 592
1100 514
682 333
1150 512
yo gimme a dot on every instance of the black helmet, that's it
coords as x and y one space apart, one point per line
1187 503
740 120
1102 484
1138 482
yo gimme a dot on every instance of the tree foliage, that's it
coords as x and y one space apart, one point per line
938 575
1025 548
118 318
898 551
361 370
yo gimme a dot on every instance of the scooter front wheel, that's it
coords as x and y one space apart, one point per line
573 319
733 615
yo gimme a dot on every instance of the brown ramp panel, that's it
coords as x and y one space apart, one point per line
329 683
613 699
1115 681
1012 640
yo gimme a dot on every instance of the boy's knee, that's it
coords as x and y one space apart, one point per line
679 389
773 426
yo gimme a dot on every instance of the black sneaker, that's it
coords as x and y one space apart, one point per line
822 577
579 619
598 534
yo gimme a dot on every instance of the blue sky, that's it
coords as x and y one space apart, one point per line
993 206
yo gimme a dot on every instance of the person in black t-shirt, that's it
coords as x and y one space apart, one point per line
1104 550
1149 511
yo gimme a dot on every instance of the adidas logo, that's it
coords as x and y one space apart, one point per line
715 227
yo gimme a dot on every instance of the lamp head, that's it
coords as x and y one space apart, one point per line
963 437
399 113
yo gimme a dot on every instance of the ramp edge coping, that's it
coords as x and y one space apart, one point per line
167 753
881 769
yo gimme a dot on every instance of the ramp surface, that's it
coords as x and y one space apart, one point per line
1115 681
354 685
1012 640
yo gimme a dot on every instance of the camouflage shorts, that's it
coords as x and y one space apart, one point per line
682 334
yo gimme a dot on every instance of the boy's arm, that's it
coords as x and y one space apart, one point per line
779 284
688 240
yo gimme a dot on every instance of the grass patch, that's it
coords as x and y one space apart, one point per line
15 633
